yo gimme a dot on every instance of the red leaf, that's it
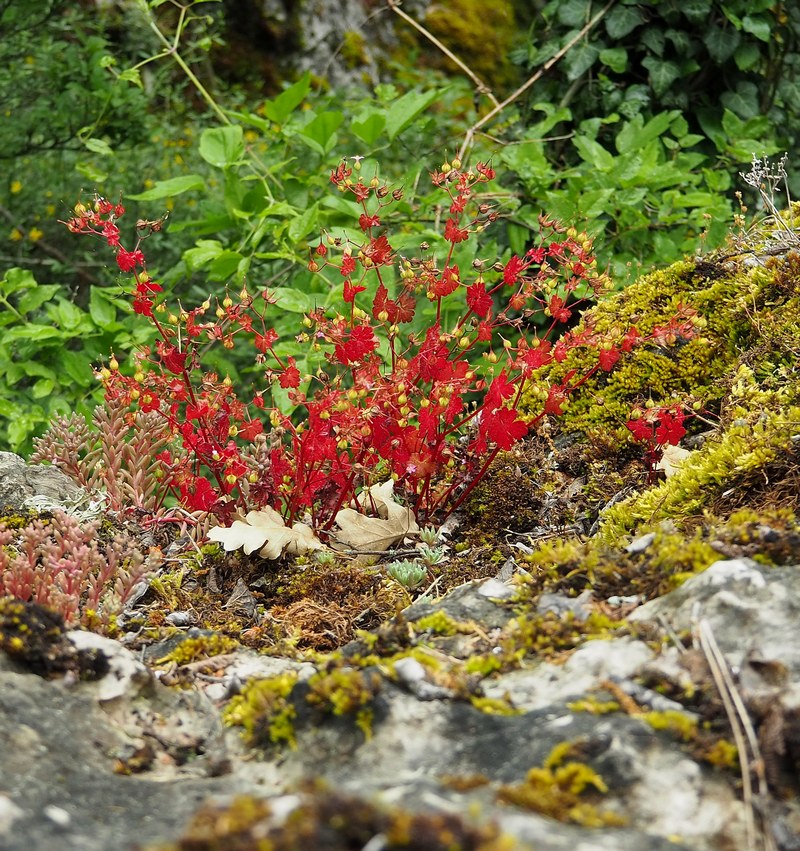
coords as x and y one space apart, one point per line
478 300
607 358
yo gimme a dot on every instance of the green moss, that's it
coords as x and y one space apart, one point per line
346 691
325 819
353 49
480 34
563 790
34 637
264 711
440 623
200 647
603 563
722 754
493 706
678 723
594 706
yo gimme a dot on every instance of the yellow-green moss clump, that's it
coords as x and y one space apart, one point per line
267 709
325 819
566 791
346 691
481 34
200 647
264 711
752 458
34 637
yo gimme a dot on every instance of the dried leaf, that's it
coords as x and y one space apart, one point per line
394 521
672 459
266 529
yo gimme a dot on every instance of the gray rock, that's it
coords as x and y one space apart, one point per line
20 481
65 743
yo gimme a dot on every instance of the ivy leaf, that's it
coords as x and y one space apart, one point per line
662 74
615 58
721 42
622 20
580 59
759 27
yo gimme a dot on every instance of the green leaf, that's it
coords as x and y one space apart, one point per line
319 133
170 188
744 101
747 56
36 297
757 26
132 75
653 39
43 387
90 172
574 13
281 107
721 42
370 128
33 332
222 146
33 368
98 146
225 265
593 153
623 19
68 315
204 252
293 300
662 74
103 313
634 135
697 11
580 59
304 224
403 111
17 279
76 366
615 58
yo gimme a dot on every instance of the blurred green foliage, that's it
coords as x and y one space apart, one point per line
635 135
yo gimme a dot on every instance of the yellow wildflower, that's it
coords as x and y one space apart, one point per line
16 235
34 235
15 187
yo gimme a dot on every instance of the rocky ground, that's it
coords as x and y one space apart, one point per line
602 658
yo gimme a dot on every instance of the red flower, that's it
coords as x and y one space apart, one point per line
670 429
264 342
536 255
348 265
401 310
557 309
111 233
173 359
198 494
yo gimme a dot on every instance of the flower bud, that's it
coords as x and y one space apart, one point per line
456 162
113 364
313 266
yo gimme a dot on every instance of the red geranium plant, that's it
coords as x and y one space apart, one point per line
428 407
